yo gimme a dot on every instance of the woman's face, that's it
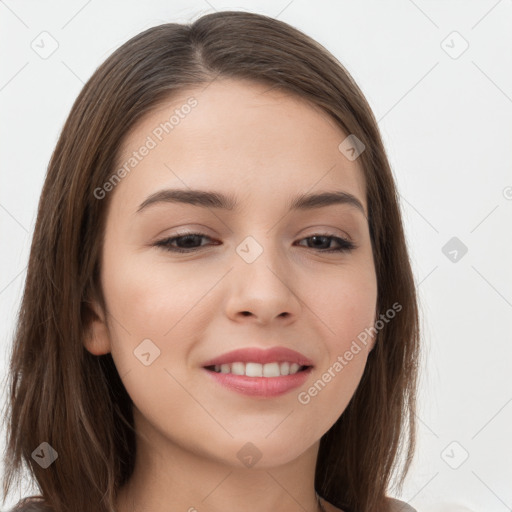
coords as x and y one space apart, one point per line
255 278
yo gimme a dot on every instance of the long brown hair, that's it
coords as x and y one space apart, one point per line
61 394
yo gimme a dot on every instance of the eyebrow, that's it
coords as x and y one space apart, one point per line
208 199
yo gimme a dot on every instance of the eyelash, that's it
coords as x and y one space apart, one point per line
345 245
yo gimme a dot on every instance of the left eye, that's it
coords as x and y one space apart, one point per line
188 243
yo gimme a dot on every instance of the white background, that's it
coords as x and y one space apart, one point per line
446 126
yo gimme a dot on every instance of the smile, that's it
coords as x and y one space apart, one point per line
258 372
251 369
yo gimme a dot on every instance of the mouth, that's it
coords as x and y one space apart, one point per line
260 373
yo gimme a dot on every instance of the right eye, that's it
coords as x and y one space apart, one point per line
188 242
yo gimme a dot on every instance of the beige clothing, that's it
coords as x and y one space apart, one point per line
400 506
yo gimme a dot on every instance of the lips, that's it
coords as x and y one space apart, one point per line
260 373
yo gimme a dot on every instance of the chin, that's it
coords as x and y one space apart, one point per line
265 453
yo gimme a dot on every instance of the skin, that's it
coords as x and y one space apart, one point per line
264 147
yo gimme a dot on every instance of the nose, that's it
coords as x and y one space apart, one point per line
263 291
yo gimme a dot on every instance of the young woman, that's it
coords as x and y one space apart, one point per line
219 310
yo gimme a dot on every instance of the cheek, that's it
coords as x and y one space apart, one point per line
347 304
154 323
155 301
150 293
346 307
351 313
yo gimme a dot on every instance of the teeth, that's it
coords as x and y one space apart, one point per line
285 368
238 368
271 370
294 368
253 370
258 370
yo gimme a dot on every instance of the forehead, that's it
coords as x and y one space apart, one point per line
240 136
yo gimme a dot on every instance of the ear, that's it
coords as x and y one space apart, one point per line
96 337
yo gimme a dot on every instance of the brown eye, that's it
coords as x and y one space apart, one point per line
188 242
322 243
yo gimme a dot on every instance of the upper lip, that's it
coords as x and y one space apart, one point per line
262 356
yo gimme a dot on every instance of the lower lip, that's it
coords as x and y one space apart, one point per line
261 386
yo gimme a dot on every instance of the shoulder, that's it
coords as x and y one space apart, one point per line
394 506
399 506
31 504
